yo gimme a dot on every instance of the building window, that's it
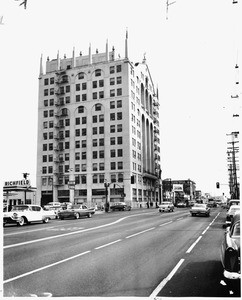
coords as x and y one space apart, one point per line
77 132
45 102
113 153
120 165
94 154
44 147
112 81
77 144
95 178
78 87
119 103
112 69
44 158
77 156
112 117
84 131
84 97
80 75
67 156
77 121
101 130
45 113
80 109
119 116
52 91
112 104
120 152
68 88
94 166
94 84
101 118
94 142
84 167
101 177
78 98
84 155
84 86
101 166
119 68
46 81
112 93
120 140
98 72
101 154
84 120
46 92
84 144
119 80
119 128
44 170
101 94
113 165
94 96
77 168
98 107
94 119
101 142
119 92
101 83
94 130
112 141
112 128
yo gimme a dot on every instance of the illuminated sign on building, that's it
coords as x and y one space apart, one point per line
178 187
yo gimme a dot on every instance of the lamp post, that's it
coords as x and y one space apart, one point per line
71 185
106 184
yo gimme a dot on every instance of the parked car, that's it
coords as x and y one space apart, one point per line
230 250
233 202
166 206
233 210
119 206
25 214
53 204
212 203
181 204
200 209
52 212
76 211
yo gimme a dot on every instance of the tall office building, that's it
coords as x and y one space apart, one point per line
98 130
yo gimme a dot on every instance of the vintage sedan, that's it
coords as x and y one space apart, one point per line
234 209
119 206
230 250
166 206
200 209
76 211
25 214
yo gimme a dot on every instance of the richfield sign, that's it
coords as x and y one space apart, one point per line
19 183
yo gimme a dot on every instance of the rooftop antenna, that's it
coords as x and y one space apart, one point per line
167 6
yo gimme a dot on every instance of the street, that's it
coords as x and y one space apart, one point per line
139 253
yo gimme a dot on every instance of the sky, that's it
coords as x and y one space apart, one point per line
191 53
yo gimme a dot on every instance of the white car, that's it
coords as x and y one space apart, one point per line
233 210
166 206
200 209
25 214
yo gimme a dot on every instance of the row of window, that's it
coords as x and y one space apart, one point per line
83 167
83 155
81 75
81 144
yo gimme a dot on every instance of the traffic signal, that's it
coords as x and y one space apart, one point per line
132 179
217 185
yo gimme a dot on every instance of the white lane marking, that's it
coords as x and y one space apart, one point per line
28 231
165 223
205 230
45 267
179 218
194 244
66 234
108 244
165 280
132 235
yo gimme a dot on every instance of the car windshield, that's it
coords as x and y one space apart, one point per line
234 209
236 230
20 207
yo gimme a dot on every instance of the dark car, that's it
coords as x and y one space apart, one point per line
230 250
119 206
76 211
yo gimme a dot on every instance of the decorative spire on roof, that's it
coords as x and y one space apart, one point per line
126 44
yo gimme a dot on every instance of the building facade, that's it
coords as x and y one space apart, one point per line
98 125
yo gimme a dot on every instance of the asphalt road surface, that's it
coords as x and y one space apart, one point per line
140 253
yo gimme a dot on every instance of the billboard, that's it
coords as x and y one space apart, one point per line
177 187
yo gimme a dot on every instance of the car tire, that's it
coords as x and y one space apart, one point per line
76 215
89 215
46 220
21 221
61 218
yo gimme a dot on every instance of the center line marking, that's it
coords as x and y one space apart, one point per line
194 244
46 267
165 280
127 237
108 244
165 223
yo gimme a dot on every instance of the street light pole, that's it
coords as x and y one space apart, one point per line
106 184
